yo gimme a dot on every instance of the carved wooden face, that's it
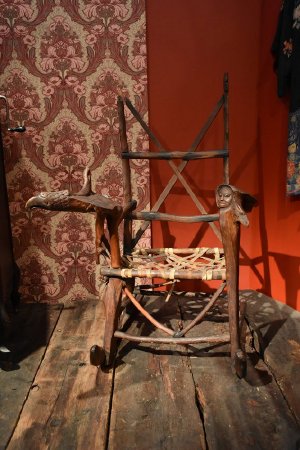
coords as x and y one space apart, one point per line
224 196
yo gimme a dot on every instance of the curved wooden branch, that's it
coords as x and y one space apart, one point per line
64 201
201 315
147 315
171 340
83 201
86 201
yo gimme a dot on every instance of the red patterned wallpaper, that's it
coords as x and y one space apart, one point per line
63 63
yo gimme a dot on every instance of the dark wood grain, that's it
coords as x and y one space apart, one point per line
242 413
277 328
68 404
163 396
230 236
248 413
154 403
112 308
31 328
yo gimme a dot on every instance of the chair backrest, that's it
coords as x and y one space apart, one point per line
163 154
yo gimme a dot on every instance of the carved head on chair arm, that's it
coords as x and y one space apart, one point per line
229 197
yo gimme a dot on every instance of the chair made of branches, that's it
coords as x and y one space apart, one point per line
171 264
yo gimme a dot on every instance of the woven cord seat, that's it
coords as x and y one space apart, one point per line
170 263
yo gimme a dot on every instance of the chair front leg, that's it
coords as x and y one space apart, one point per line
231 215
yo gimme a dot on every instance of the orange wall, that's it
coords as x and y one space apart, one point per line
190 45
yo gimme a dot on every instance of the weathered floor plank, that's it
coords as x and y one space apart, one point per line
164 397
32 328
154 402
278 329
69 401
239 413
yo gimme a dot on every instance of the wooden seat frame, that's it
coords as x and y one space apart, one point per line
169 264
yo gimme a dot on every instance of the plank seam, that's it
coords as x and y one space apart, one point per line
33 380
263 356
106 447
199 406
281 390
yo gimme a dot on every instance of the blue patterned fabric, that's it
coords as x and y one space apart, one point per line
286 50
293 169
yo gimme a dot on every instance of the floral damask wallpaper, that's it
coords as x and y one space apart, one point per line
63 63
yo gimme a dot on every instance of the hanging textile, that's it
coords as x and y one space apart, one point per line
286 50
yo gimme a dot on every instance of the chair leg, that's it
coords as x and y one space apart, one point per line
230 229
238 357
104 356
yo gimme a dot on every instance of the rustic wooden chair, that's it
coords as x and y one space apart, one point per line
175 264
170 264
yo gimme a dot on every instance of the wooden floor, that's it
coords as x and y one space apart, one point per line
154 397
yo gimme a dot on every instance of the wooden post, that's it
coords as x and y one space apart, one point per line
226 128
113 222
231 214
230 237
126 175
104 355
99 232
112 302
